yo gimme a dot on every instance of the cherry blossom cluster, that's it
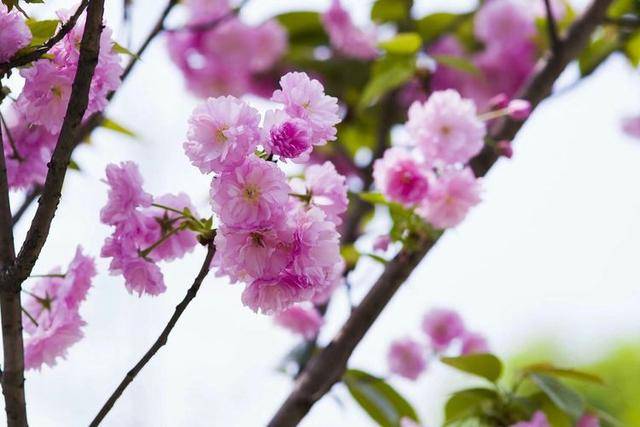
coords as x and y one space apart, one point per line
445 332
14 33
431 174
276 235
51 318
219 54
507 31
36 117
345 37
147 230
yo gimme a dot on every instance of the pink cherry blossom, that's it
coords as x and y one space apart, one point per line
539 419
406 358
249 254
304 98
588 420
442 326
446 128
14 33
504 22
222 132
400 177
328 190
269 42
142 276
125 193
345 37
473 342
287 137
631 126
203 11
450 198
77 281
181 242
519 109
252 194
302 320
273 295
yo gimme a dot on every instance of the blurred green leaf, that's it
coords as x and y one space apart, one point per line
480 364
562 396
73 165
600 47
632 49
373 198
381 401
117 127
468 403
118 48
41 31
350 255
391 10
389 73
622 7
548 369
436 25
457 62
303 28
376 258
403 44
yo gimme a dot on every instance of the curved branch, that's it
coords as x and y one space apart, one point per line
325 369
162 339
36 54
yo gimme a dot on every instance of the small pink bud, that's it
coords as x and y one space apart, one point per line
519 109
382 243
499 102
505 149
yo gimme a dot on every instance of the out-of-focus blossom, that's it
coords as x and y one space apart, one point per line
631 126
442 326
400 177
588 420
519 109
14 33
539 419
473 342
504 23
301 320
406 358
345 37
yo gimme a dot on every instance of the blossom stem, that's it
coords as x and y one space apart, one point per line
60 275
161 340
144 253
12 142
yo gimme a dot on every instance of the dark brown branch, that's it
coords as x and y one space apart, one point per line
552 26
10 312
37 53
51 193
326 368
162 339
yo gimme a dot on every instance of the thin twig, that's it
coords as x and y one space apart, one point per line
12 142
328 366
30 197
38 52
161 340
552 26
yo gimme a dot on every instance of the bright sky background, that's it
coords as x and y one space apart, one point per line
551 252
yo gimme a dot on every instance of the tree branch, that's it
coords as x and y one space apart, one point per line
326 368
552 27
37 53
162 339
29 198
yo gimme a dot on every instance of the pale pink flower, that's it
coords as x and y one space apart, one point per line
450 198
631 126
473 342
287 137
77 281
125 193
304 98
181 242
142 276
248 254
406 358
334 279
252 194
442 326
302 320
588 420
272 295
539 419
203 11
269 43
345 37
401 177
328 190
504 22
446 128
222 133
14 33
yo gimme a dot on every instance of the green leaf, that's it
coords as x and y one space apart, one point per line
373 198
383 403
403 44
574 374
73 165
457 62
435 25
41 31
600 47
118 48
350 255
388 73
469 403
391 10
632 49
562 396
622 7
117 127
377 258
480 364
303 28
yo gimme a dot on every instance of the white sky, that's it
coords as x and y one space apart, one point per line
551 252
